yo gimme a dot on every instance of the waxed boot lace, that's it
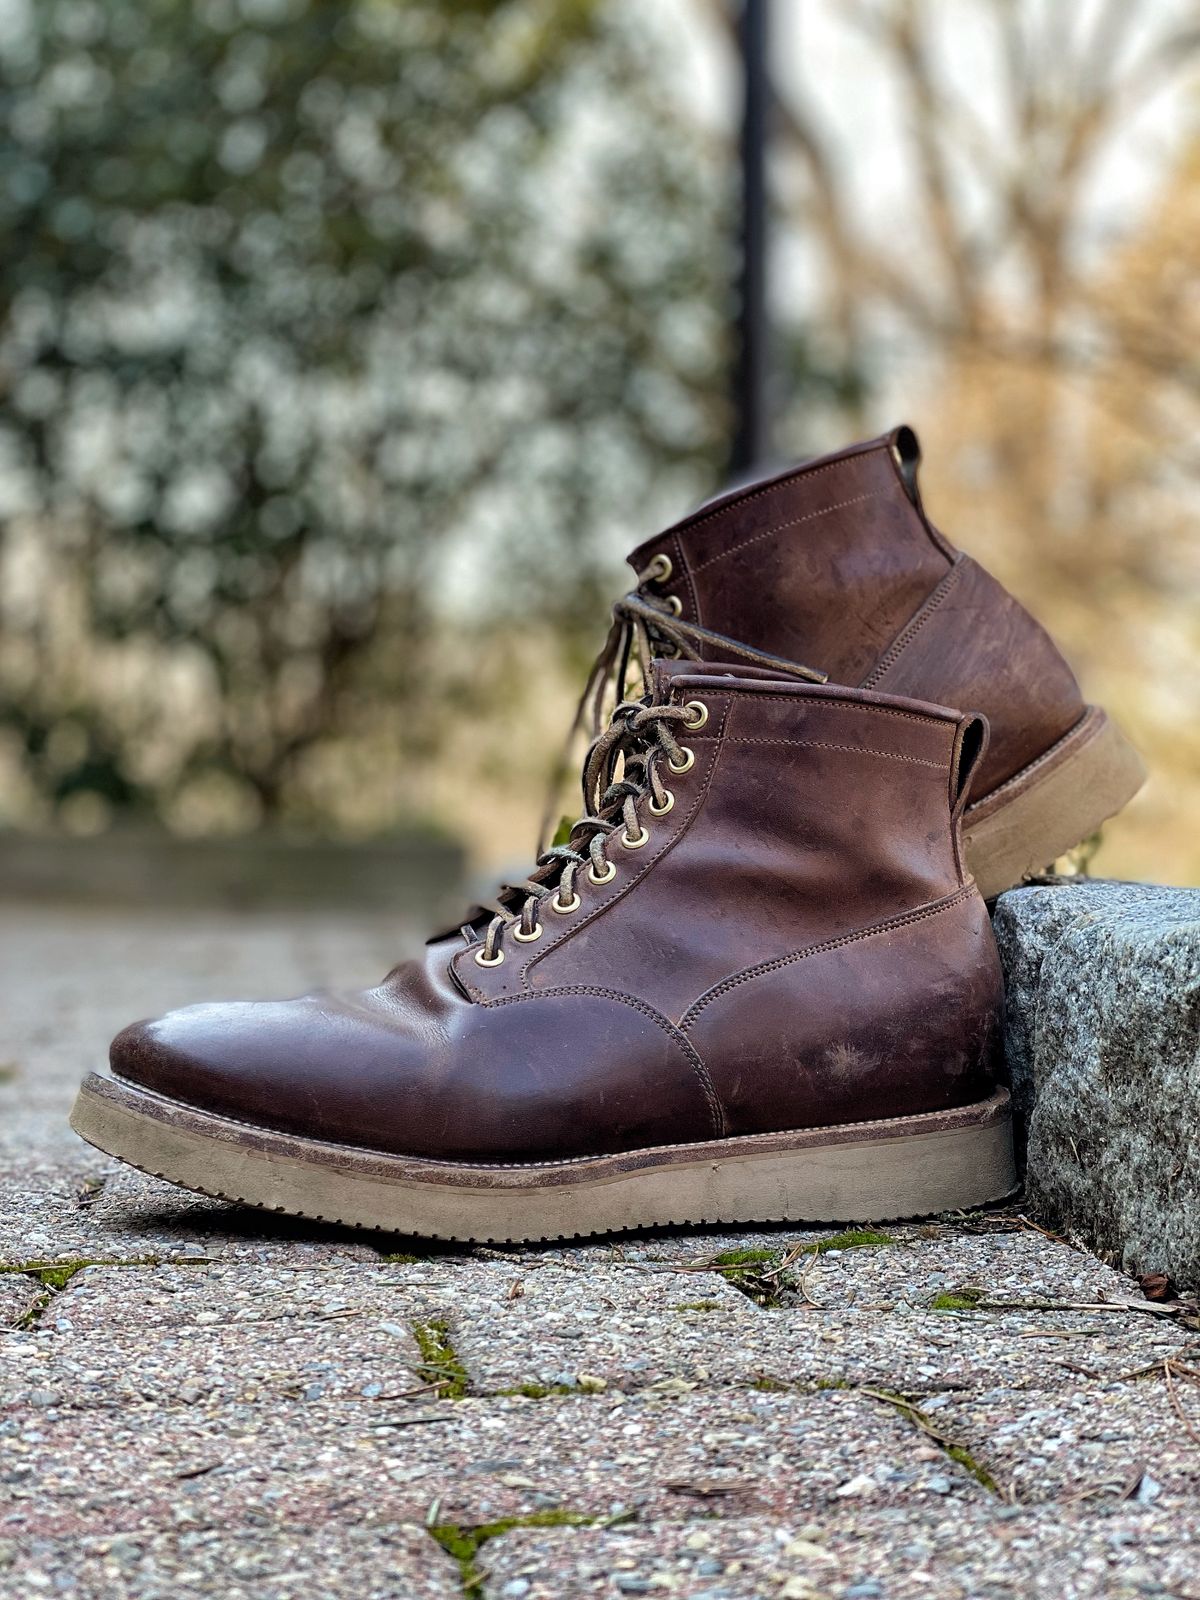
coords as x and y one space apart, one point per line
646 624
621 769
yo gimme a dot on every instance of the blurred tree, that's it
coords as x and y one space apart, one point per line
336 338
1024 266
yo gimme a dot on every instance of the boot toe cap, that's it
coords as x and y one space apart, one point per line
239 1059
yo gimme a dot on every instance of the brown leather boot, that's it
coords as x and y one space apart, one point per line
835 565
756 985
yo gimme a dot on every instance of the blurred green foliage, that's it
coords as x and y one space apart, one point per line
338 339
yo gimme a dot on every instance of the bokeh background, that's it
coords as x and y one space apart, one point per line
347 345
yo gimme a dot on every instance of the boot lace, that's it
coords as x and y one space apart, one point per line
622 768
647 624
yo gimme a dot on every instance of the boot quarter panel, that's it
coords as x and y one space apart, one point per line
843 1032
974 644
806 832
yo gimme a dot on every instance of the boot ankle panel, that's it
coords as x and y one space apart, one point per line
810 813
829 561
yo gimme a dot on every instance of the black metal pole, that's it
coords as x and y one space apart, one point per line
751 444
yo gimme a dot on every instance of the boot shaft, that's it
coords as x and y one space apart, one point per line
835 564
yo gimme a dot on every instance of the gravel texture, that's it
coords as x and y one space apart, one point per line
660 1457
1104 1049
19 1298
954 1553
199 1401
378 1562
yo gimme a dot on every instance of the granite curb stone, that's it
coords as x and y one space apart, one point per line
1103 1044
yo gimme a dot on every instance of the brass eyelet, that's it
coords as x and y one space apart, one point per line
565 908
528 938
636 841
699 717
661 568
482 960
668 802
674 605
607 876
688 762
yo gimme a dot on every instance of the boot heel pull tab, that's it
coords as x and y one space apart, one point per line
906 453
970 747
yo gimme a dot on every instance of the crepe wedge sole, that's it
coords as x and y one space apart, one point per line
902 1167
1051 805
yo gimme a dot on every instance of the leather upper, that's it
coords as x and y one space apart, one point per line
794 944
835 564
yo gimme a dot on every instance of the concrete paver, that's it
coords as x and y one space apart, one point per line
662 1458
951 1553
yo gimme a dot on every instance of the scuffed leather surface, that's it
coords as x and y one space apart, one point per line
823 565
979 648
809 815
831 564
815 1039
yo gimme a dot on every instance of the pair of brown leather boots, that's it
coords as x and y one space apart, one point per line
758 981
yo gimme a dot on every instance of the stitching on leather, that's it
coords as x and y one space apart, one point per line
755 698
685 568
735 1143
908 918
457 961
914 625
780 527
788 478
854 750
693 1056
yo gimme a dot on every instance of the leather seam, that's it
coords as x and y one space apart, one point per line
685 568
474 992
928 608
852 749
685 823
906 919
752 696
694 1060
781 527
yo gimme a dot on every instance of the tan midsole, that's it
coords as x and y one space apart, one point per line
908 1166
1052 805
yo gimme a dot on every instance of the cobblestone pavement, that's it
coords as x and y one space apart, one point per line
201 1401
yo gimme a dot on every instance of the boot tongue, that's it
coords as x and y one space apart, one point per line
661 674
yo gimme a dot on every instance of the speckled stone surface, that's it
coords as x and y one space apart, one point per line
640 1326
19 1297
198 1401
383 1561
951 1553
1103 1043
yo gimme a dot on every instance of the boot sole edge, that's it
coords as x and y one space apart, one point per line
878 1171
1051 805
